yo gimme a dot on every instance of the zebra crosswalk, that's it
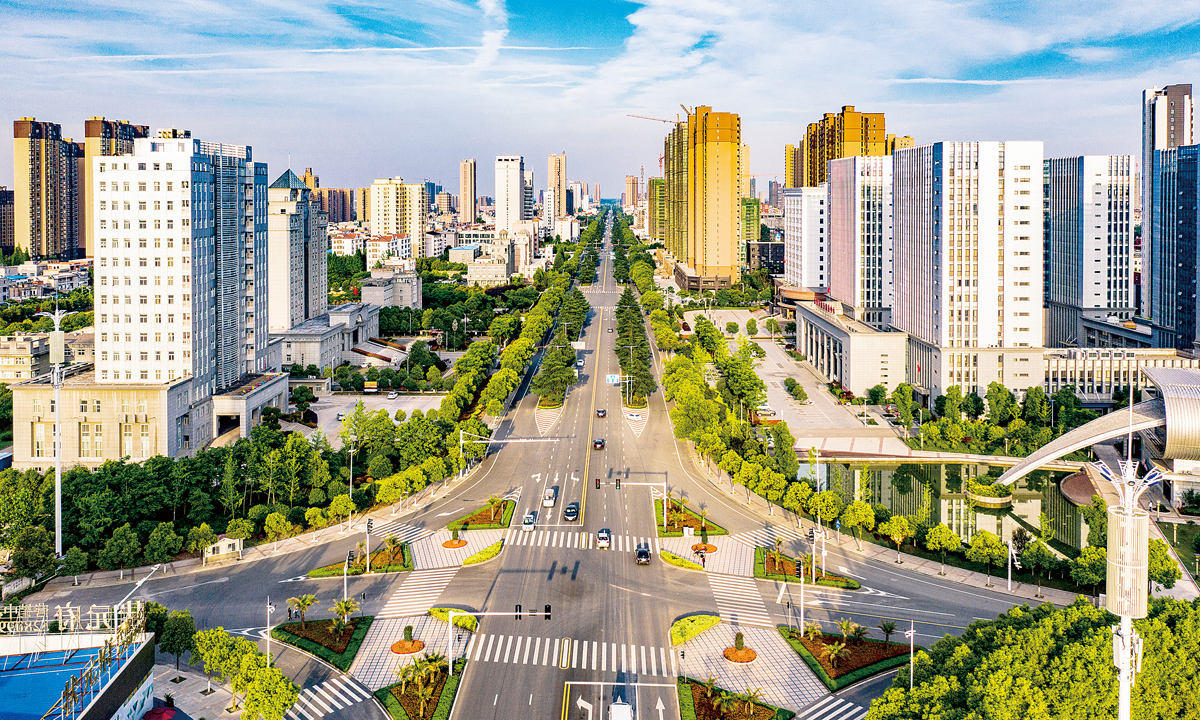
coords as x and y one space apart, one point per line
575 539
765 536
833 708
739 601
565 653
336 693
403 531
417 593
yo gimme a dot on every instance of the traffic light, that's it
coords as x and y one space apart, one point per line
597 483
799 569
518 612
349 556
812 535
370 525
547 612
618 482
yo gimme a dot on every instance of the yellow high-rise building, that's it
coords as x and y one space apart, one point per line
899 142
656 209
556 180
848 133
793 162
400 209
46 199
703 167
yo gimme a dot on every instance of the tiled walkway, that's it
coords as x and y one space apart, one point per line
429 553
731 558
784 678
375 665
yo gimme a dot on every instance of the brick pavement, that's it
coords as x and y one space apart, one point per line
784 678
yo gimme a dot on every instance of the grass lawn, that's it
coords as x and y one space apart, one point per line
1181 537
767 567
685 629
485 554
381 562
678 521
866 659
485 518
695 703
407 705
337 650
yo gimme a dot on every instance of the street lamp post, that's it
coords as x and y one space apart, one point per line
270 609
57 356
911 634
353 440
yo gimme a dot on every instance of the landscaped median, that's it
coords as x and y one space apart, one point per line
317 638
769 565
426 692
466 622
671 558
488 517
706 701
680 519
485 554
839 661
382 561
686 628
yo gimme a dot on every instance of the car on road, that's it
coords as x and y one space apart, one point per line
579 363
610 329
571 512
598 444
393 395
529 521
341 416
766 411
601 413
633 416
549 497
642 556
808 402
685 326
620 710
603 538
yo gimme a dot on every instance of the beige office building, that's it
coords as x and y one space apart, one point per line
556 180
630 196
297 243
24 356
362 204
468 207
400 209
101 138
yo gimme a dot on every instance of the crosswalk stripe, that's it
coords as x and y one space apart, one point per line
528 647
662 654
354 687
488 656
653 663
508 648
338 693
833 708
311 699
417 593
328 696
517 650
739 601
470 644
546 653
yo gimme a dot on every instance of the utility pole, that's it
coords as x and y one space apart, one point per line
57 357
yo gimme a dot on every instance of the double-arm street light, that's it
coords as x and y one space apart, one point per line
57 357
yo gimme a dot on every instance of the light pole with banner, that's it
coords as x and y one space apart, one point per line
911 634
270 609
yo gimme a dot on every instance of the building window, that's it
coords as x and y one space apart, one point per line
96 406
127 438
97 440
85 440
83 406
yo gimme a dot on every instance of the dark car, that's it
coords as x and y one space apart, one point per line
598 444
601 413
685 326
571 512
643 556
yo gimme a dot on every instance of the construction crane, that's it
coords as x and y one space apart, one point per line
647 117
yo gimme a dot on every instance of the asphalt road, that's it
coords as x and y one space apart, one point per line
621 610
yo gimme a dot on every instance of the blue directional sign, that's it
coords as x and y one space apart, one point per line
612 379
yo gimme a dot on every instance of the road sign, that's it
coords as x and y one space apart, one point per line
612 379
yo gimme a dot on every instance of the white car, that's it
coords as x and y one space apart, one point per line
633 416
393 395
549 497
603 538
620 710
529 521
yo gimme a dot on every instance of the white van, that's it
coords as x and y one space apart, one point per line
549 497
620 710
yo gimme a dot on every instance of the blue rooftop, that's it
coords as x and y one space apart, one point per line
31 683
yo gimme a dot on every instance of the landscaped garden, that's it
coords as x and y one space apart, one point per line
680 516
704 700
485 554
387 559
425 690
496 515
335 640
848 656
772 565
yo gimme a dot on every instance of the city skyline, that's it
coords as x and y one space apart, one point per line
527 70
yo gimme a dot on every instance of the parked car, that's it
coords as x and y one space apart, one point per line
603 538
529 521
571 512
642 556
598 444
393 395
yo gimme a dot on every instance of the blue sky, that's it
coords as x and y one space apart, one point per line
370 88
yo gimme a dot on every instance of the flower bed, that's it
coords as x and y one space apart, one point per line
485 518
696 703
767 567
381 562
679 521
406 705
866 659
337 650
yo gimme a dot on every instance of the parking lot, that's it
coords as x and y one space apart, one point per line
329 406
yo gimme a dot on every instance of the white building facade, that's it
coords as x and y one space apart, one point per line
297 243
806 236
510 191
860 237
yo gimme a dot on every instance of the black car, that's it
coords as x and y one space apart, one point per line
643 556
598 444
571 512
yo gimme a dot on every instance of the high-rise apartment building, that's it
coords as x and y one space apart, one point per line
556 180
527 199
510 192
898 142
1089 256
468 207
445 203
860 237
793 164
968 264
632 191
46 197
297 247
806 237
6 220
773 196
749 227
102 138
656 209
336 203
362 204
848 133
400 209
1167 122
702 165
1170 274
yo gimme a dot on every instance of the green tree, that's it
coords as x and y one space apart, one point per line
857 516
731 328
1001 404
33 555
240 529
1096 517
163 543
75 563
302 398
1036 409
877 395
826 506
1038 558
751 327
200 537
341 507
1090 567
897 529
277 527
1163 569
156 620
179 635
379 467
301 604
988 549
941 539
269 696
121 550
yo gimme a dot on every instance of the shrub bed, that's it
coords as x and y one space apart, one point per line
485 519
406 705
467 622
867 659
338 650
685 629
695 704
678 521
381 562
487 553
768 568
671 558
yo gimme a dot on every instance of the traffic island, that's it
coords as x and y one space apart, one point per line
382 561
686 628
708 701
770 565
739 653
683 517
408 645
426 691
319 637
488 517
839 660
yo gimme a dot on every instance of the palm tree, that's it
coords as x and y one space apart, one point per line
846 627
778 544
361 551
435 664
751 696
703 519
834 651
710 684
392 544
344 608
812 631
859 633
301 605
724 702
888 628
407 674
424 695
494 501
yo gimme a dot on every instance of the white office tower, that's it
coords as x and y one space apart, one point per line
400 209
510 192
806 236
298 247
968 264
181 279
549 201
860 237
1090 232
468 208
1167 122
